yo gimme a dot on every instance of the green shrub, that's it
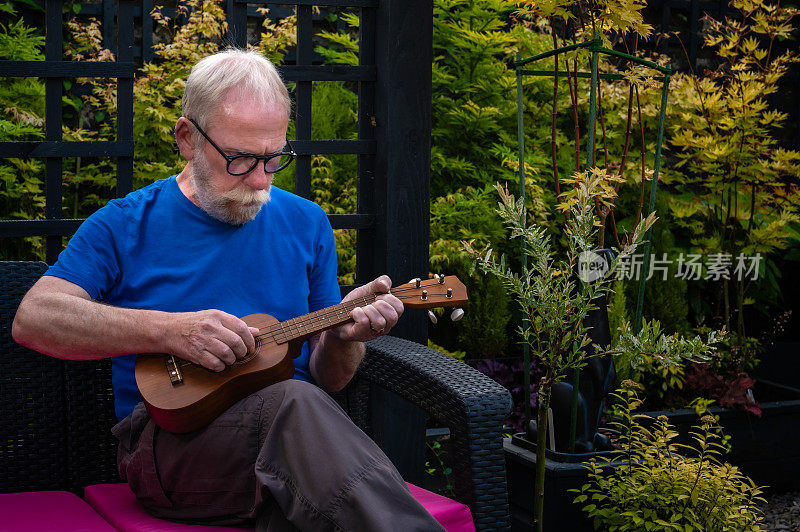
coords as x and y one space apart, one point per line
618 314
665 294
660 485
467 214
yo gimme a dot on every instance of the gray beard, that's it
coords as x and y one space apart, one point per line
236 207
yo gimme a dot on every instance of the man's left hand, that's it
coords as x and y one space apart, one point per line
375 319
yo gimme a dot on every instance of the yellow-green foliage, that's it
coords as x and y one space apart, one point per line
604 17
721 135
458 355
735 191
660 485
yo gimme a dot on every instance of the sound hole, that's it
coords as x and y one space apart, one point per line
250 356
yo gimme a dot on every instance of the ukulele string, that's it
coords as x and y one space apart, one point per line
269 332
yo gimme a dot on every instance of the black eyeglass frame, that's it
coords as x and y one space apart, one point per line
266 158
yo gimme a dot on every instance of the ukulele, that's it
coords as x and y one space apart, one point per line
182 396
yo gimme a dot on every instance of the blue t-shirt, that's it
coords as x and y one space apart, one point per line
155 249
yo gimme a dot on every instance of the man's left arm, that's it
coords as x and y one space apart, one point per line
337 352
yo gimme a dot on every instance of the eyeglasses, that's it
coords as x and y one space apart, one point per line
245 163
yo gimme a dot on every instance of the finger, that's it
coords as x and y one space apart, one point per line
209 361
360 317
396 304
255 332
233 342
246 343
381 285
212 356
388 312
222 351
376 320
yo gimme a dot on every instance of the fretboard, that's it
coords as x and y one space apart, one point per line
303 327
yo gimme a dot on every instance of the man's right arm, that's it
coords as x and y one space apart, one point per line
60 319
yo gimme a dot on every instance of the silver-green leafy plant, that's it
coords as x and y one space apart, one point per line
665 349
658 360
654 483
553 301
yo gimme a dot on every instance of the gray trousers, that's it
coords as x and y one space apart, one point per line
287 457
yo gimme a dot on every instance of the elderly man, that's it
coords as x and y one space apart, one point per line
169 268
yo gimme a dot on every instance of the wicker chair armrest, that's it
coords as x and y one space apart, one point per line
470 404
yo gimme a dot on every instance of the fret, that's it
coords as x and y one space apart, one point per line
316 322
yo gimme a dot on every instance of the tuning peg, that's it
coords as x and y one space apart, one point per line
432 317
436 276
457 314
441 278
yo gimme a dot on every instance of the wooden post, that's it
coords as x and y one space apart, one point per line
398 245
404 54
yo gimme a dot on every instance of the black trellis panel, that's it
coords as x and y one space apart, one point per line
53 149
17 228
125 97
352 221
53 123
328 73
303 91
402 125
334 147
67 69
86 148
366 243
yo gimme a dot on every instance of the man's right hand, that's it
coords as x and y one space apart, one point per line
60 319
211 338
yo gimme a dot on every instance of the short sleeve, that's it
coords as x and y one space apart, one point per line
323 284
91 259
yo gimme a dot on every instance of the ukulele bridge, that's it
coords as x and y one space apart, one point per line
173 370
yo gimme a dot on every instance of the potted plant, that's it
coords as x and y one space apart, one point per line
553 303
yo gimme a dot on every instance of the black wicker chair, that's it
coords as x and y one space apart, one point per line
55 415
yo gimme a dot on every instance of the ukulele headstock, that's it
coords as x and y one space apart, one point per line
446 291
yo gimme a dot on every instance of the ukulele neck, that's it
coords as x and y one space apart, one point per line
304 327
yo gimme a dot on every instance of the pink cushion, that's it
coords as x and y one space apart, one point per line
452 515
45 511
118 504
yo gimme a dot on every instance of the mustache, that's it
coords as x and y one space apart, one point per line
246 195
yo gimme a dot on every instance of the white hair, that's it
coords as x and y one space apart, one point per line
213 76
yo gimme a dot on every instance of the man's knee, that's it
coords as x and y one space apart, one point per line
294 389
296 396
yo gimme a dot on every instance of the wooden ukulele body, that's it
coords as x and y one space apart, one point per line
202 394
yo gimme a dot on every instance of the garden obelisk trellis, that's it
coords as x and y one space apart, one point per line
596 49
